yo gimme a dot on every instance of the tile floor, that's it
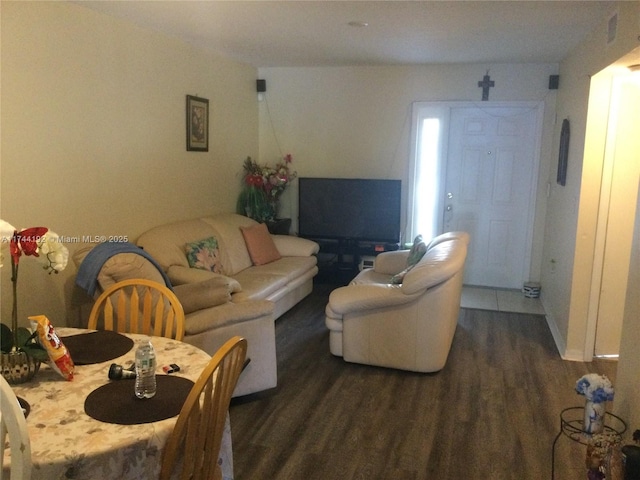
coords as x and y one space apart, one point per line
483 298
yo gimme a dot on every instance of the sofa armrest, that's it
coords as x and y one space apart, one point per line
355 298
391 263
290 246
180 275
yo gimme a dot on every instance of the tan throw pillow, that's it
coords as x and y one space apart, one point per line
260 245
204 254
205 294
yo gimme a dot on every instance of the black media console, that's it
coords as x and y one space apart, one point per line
339 259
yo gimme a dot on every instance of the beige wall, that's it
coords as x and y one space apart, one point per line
628 387
570 230
572 210
356 121
93 133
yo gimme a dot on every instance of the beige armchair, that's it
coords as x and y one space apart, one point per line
410 325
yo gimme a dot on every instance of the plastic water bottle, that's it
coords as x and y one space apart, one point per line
145 370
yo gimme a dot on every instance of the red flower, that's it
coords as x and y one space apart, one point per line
26 241
254 180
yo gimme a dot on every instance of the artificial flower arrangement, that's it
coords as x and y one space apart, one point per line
263 186
595 388
37 242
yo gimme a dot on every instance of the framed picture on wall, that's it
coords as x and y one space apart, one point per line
197 124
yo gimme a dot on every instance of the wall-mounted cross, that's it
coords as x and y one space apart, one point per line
486 84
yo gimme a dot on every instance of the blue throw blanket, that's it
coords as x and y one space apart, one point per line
87 277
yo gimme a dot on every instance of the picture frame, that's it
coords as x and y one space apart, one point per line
197 124
563 154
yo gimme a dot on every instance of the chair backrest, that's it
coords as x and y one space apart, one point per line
13 423
198 432
139 306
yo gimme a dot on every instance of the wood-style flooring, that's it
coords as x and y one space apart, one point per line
491 413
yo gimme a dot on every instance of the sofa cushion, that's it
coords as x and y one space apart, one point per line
208 293
165 243
204 254
262 281
180 275
259 244
235 256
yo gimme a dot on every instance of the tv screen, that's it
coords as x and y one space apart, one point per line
349 208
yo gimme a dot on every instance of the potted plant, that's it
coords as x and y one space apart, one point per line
21 352
263 186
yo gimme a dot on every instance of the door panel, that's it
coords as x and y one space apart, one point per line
489 173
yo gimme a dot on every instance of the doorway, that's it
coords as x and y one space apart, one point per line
618 193
483 173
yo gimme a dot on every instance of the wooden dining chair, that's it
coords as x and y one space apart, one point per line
194 444
13 424
139 306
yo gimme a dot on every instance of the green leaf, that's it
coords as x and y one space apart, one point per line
6 339
24 337
37 352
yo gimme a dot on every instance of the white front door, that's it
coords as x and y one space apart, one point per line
489 189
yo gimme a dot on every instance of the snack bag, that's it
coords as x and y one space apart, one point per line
60 359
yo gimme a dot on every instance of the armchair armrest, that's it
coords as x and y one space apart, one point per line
354 298
290 246
391 263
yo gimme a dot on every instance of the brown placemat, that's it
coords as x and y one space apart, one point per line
97 347
115 402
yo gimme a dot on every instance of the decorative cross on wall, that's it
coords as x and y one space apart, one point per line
486 84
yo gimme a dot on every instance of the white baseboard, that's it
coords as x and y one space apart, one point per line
561 344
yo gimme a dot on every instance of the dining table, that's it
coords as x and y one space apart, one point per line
94 428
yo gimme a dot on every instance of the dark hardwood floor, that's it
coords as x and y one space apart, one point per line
491 413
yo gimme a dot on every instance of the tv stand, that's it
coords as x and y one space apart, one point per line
339 259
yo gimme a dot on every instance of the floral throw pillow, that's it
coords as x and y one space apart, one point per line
204 254
418 249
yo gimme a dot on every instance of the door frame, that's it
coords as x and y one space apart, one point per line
442 109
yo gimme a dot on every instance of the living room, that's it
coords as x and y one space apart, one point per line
93 142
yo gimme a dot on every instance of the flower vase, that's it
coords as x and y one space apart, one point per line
18 367
594 417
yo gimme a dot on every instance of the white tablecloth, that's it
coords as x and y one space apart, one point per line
67 443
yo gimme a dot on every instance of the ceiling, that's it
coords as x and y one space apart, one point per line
267 33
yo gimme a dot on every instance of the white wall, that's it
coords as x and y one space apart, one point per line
93 133
572 210
570 229
627 397
356 121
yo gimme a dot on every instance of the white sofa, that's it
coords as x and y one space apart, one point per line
407 326
244 299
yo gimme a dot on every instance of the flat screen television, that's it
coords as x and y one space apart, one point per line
349 209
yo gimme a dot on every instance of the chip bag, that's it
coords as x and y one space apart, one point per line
60 359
